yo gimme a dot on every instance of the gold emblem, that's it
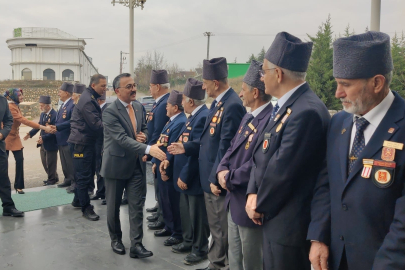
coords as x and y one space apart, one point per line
382 176
343 131
388 154
212 131
395 145
214 119
64 116
279 127
185 139
391 130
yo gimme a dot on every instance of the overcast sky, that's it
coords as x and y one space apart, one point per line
176 27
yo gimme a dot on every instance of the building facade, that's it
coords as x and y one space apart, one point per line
49 54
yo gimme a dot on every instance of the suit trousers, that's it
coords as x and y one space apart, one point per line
245 246
5 186
19 169
282 257
157 198
100 179
50 162
217 220
66 161
136 192
194 223
170 204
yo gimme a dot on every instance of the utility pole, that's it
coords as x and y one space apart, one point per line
122 60
375 15
131 4
208 34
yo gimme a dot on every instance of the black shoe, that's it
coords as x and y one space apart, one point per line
206 268
139 251
158 225
152 218
192 259
118 247
12 212
152 210
90 214
162 233
172 241
50 183
70 190
64 184
96 197
19 191
181 248
124 201
103 202
76 204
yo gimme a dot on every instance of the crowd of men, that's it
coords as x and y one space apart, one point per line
280 187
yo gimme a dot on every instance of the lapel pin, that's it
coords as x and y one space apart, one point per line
391 130
343 130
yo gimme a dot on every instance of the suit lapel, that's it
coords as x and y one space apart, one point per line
345 135
125 115
190 121
138 116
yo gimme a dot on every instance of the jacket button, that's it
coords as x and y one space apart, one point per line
341 238
344 207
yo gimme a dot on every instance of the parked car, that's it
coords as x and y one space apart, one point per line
147 102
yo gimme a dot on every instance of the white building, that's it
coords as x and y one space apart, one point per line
49 54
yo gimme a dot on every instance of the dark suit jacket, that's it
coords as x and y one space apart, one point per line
6 121
186 167
211 148
238 161
354 213
120 147
171 130
284 175
157 119
49 140
63 123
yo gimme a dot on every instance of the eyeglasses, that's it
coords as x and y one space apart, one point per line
262 72
129 86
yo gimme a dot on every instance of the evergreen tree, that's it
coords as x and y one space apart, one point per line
252 57
398 57
260 56
320 69
347 32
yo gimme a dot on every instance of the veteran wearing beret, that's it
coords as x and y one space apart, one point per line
77 92
223 120
244 236
288 156
359 204
47 141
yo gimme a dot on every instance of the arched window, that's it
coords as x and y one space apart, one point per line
68 75
26 74
49 74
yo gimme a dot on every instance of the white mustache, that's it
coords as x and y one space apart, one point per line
345 100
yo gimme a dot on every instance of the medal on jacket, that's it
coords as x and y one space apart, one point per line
220 114
185 137
266 142
212 128
367 166
289 111
215 118
249 141
150 118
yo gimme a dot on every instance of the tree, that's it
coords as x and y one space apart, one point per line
144 68
398 57
347 32
260 56
252 57
320 69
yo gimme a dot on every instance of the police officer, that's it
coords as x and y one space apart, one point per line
244 236
186 178
157 119
86 124
226 113
358 208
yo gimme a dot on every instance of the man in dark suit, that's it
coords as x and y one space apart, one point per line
62 129
186 178
100 194
358 207
244 236
47 141
226 113
6 121
288 156
125 134
157 119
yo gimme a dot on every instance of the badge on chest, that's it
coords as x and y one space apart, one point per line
266 142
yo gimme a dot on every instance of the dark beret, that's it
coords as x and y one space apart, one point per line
175 98
45 99
215 69
193 89
362 56
289 52
252 76
79 88
159 77
68 87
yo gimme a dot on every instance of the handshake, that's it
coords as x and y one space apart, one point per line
49 129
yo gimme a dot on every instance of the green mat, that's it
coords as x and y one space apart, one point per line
32 200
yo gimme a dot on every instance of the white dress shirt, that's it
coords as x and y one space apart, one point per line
196 109
260 109
218 99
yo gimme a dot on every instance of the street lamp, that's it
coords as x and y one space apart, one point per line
131 4
375 15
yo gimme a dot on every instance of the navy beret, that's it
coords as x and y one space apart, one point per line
252 76
67 87
215 69
79 88
159 77
289 52
362 56
175 98
193 89
45 99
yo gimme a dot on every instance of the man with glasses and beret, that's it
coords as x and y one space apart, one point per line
288 156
